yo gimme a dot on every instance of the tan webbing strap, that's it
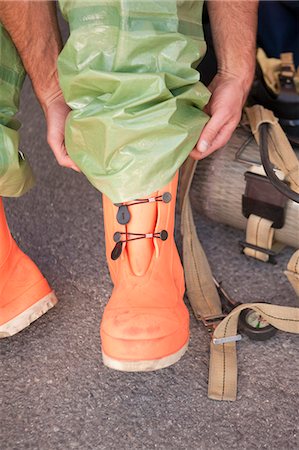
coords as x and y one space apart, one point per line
205 301
223 357
287 64
281 153
287 59
260 233
292 271
270 68
201 290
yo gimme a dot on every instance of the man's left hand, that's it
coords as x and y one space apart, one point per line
229 94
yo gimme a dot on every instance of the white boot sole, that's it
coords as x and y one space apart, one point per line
144 366
31 314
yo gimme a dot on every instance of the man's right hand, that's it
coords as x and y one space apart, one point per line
34 30
56 112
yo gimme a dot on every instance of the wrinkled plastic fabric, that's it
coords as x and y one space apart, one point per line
16 176
128 73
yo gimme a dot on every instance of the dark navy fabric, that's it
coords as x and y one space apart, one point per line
278 28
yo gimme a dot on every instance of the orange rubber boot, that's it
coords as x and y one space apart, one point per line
24 293
145 325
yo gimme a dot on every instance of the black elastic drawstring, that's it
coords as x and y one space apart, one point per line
123 214
123 217
117 250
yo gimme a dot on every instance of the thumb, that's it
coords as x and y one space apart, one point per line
56 142
210 131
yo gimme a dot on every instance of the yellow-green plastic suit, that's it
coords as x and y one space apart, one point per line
15 173
128 73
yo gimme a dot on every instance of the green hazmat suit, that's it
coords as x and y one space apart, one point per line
128 72
16 176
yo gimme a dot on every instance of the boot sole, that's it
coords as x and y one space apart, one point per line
28 316
144 366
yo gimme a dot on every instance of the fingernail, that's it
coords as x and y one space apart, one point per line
203 146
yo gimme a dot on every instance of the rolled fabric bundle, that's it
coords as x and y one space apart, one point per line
128 73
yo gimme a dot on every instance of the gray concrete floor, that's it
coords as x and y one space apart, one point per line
56 393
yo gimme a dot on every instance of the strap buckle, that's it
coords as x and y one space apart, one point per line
227 304
267 251
211 322
227 339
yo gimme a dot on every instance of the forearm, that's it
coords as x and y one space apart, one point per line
34 30
234 25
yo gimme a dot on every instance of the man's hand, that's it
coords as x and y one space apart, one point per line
56 112
233 24
34 30
225 108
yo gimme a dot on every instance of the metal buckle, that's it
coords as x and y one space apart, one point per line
21 155
267 251
211 322
227 339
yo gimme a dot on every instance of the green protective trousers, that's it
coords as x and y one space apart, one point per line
128 72
16 176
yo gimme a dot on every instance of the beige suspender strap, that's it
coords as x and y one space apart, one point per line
292 271
281 153
205 302
259 232
201 290
287 65
223 356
